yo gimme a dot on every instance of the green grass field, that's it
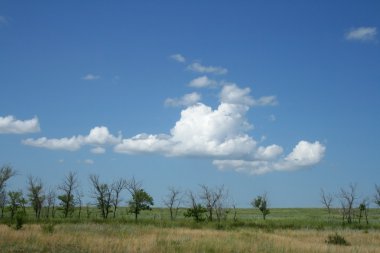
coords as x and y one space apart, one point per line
285 230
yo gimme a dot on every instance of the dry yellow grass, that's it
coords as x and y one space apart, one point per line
133 238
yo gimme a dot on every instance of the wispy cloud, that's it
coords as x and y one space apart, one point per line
88 161
98 150
202 82
199 68
97 136
231 93
11 125
90 77
362 34
178 58
186 100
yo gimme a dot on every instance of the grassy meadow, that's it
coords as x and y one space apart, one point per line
285 230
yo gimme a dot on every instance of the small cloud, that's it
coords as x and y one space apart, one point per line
97 136
202 82
197 67
11 125
272 118
178 58
186 100
88 161
61 160
265 101
98 150
90 77
362 34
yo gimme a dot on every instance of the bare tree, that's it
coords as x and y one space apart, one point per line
103 195
210 198
50 202
196 209
221 204
117 187
377 195
36 195
6 172
68 187
235 212
173 201
347 200
79 202
326 200
363 210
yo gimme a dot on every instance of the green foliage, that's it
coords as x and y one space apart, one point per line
337 239
140 201
16 200
261 203
197 212
19 220
67 204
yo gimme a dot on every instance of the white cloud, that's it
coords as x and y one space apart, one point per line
265 101
101 135
98 150
186 100
222 134
200 131
362 34
202 82
268 153
11 125
88 162
199 68
71 144
144 143
97 136
231 93
178 57
90 77
303 155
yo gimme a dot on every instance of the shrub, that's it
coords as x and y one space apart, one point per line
337 240
19 220
48 228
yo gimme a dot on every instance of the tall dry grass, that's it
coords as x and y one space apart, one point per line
135 238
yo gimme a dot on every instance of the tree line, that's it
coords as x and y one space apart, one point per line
211 204
350 205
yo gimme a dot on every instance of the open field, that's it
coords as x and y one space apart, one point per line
145 238
285 230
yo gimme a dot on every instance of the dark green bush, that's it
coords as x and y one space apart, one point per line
19 220
337 240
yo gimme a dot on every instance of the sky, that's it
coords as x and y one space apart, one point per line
268 97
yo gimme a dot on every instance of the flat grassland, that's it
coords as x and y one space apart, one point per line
285 230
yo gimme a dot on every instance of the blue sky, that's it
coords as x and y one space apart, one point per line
259 96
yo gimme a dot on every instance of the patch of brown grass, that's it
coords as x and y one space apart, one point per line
134 238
